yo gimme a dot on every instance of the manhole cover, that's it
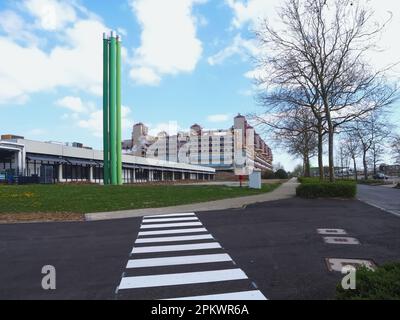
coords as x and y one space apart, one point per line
337 264
341 240
332 231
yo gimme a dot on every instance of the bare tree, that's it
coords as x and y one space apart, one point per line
371 131
376 152
396 148
352 147
320 52
299 138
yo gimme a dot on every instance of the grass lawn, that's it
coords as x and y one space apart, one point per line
96 198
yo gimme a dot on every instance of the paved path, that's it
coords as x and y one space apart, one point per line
285 191
385 198
175 257
275 244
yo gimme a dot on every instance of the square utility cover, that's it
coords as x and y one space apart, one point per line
341 240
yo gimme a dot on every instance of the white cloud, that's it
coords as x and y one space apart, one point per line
170 127
75 104
145 76
15 27
243 47
87 116
94 123
219 117
74 63
51 15
169 44
252 11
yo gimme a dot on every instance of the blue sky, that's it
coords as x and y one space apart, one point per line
184 60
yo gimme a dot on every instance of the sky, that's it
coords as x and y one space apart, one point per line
184 61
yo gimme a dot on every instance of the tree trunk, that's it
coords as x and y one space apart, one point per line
365 165
307 172
374 159
320 152
355 169
330 151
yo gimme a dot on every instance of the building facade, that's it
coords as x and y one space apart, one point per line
232 150
22 158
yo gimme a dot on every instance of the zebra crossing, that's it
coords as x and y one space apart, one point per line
176 258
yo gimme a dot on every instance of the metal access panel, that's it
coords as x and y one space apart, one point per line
341 240
332 231
46 174
337 264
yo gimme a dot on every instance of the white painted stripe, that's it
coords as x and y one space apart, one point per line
170 219
180 247
171 215
243 295
168 225
181 278
172 231
179 238
181 260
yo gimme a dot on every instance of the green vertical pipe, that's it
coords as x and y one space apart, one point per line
113 109
119 115
106 158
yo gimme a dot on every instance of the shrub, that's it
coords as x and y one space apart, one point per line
281 174
308 180
381 284
337 189
268 175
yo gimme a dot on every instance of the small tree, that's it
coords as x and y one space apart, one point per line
352 147
396 148
281 174
370 130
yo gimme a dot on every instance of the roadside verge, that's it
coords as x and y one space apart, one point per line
285 191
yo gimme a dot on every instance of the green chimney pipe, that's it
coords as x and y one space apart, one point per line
119 114
113 109
106 159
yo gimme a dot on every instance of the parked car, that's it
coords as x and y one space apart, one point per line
380 176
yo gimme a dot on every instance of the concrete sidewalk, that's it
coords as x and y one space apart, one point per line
285 191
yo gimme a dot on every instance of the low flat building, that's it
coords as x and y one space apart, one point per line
20 157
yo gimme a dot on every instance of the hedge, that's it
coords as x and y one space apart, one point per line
317 189
381 284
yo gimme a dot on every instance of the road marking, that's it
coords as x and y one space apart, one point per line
181 278
243 295
172 231
395 212
332 231
341 240
159 258
168 225
181 260
170 219
337 264
180 247
179 238
171 215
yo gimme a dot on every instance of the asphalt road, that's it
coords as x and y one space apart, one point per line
382 197
275 244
